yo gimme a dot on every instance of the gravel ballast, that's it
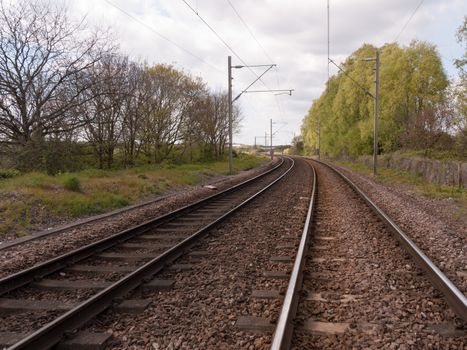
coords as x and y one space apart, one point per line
30 253
203 307
361 289
437 226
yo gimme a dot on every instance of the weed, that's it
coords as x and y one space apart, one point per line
9 173
416 182
72 183
39 195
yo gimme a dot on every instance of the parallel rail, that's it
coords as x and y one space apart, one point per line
25 276
284 330
57 230
50 334
453 296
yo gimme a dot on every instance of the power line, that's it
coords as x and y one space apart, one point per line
223 41
162 36
215 33
410 18
278 103
250 31
353 80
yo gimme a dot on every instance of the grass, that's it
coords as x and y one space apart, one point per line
444 156
415 182
36 198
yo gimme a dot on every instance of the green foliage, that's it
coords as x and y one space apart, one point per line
415 182
8 173
72 183
32 199
413 100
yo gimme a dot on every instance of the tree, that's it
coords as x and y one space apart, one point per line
414 108
210 122
460 93
136 107
297 145
171 94
42 56
105 109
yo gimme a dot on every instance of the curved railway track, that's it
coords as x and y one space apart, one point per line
344 249
40 235
285 336
117 265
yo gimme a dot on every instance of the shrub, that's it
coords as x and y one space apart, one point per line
8 173
72 184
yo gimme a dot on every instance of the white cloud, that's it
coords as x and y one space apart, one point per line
293 34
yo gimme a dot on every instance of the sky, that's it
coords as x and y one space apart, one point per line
291 34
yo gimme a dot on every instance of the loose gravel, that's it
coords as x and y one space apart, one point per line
437 226
201 310
356 273
30 253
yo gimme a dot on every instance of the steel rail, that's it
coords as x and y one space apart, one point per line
28 275
50 334
35 236
453 296
284 329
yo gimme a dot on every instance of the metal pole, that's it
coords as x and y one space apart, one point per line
265 140
272 152
229 63
255 142
375 131
328 41
319 140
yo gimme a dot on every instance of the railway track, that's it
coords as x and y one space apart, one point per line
45 234
50 299
343 282
351 284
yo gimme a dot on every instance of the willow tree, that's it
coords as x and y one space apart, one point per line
412 97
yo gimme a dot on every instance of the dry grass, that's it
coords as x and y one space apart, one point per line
415 182
34 199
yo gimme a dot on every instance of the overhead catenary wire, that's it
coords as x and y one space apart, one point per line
163 36
277 100
223 41
410 18
250 31
353 80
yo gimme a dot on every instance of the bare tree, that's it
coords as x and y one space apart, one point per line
172 93
137 106
105 109
210 122
42 56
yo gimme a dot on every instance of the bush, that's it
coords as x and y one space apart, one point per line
8 173
72 184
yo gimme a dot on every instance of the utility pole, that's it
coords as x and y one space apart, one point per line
272 151
319 140
255 142
265 140
231 101
375 131
229 63
376 104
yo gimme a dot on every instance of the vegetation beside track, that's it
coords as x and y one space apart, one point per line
415 182
34 200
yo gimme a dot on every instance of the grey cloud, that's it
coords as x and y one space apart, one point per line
293 34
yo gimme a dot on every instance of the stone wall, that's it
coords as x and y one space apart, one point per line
452 173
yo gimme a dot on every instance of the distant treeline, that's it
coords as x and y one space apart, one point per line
420 109
69 99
